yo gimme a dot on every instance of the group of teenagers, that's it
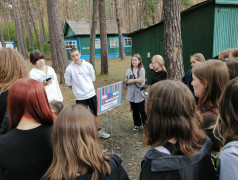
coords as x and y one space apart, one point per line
192 124
182 131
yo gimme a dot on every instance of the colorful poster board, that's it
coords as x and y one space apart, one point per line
109 97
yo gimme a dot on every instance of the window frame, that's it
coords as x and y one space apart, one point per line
114 38
74 43
98 40
127 41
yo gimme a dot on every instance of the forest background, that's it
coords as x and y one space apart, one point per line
135 14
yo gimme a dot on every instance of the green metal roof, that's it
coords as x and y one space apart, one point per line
73 27
234 2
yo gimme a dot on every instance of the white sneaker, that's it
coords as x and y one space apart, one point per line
136 128
103 134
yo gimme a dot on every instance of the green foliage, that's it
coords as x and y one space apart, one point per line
150 6
46 48
12 32
13 36
186 3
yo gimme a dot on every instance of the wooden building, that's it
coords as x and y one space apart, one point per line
77 34
208 28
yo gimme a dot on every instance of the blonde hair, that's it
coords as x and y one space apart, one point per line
12 67
225 53
198 57
160 60
75 146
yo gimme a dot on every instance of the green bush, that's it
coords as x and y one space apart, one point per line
186 3
46 48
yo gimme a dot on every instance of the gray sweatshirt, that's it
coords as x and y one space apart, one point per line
228 159
133 93
81 79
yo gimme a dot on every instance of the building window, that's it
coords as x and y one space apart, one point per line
97 44
70 44
114 43
127 42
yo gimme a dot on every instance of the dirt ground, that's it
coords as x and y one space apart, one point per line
124 141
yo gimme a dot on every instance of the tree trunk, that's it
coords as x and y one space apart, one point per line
19 33
2 37
172 39
121 47
135 17
161 10
58 41
52 38
129 15
93 33
103 37
42 24
30 8
16 25
90 12
25 50
5 19
30 37
74 12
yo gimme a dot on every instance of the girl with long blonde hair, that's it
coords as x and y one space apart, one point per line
158 70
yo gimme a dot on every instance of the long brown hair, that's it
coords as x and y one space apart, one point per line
172 114
226 128
214 75
12 67
140 65
75 146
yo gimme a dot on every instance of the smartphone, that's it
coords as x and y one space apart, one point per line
48 79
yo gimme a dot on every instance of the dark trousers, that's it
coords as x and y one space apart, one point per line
91 103
138 112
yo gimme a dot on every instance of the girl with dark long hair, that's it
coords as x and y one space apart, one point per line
180 149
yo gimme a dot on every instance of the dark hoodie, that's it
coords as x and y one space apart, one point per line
161 165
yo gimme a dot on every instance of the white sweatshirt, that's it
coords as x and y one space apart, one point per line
52 90
81 78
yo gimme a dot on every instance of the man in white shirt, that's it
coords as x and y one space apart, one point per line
79 76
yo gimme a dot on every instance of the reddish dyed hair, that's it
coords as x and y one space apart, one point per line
27 97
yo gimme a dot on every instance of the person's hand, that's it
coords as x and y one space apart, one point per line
46 83
140 80
151 66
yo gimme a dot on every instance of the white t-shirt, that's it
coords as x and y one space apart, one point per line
81 78
52 90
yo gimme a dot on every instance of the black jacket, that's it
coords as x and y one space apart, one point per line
4 119
158 76
117 171
159 165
